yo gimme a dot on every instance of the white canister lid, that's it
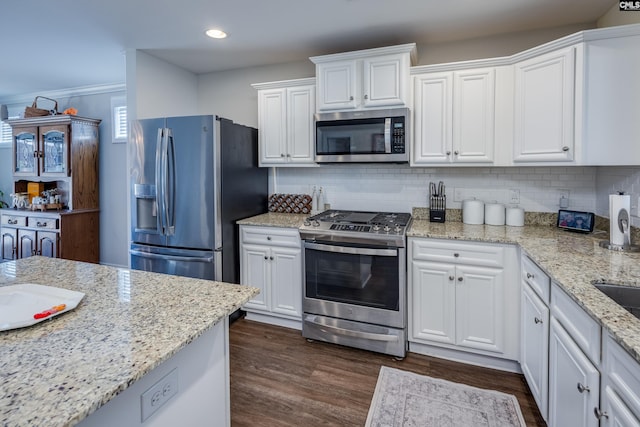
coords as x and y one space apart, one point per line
515 216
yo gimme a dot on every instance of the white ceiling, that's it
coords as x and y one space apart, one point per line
51 45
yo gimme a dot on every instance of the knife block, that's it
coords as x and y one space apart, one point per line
437 208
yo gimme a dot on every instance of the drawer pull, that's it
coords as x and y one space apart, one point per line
583 388
41 224
529 275
537 320
12 221
599 414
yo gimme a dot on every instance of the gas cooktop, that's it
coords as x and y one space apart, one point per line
357 227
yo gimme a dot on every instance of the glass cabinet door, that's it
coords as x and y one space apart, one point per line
25 148
54 150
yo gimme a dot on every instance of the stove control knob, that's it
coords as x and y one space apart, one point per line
307 222
387 228
316 223
376 228
397 229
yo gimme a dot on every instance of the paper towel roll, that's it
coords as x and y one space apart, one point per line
617 203
473 211
515 217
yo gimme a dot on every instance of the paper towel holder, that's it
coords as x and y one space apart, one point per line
622 227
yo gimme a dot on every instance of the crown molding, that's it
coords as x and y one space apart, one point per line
65 93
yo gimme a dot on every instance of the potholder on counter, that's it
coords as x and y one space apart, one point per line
290 203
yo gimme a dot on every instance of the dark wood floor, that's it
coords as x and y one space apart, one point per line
280 379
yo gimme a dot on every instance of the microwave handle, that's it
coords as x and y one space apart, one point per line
387 135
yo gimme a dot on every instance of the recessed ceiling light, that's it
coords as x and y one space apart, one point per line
216 34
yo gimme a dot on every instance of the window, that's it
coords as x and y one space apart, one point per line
5 133
119 109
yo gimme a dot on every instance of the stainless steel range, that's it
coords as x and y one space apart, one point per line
355 279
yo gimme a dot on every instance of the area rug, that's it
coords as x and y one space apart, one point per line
406 399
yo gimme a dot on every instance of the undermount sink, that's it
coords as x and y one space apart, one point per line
627 296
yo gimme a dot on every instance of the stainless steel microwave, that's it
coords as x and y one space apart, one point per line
363 136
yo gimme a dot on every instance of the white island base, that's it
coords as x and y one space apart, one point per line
202 397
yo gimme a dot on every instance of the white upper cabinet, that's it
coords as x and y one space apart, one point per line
285 122
372 78
544 108
454 117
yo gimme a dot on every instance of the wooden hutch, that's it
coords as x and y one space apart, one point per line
61 152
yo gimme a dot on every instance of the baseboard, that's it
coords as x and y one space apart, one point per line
273 320
466 357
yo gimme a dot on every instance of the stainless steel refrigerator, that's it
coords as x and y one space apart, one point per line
192 178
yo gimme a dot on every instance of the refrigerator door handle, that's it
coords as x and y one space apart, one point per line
159 181
170 184
151 255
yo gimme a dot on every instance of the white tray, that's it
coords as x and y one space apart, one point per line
18 303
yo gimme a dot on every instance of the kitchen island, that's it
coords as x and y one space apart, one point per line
91 365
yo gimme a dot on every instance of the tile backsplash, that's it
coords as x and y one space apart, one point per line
400 188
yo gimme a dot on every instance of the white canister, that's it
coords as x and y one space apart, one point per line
473 211
515 217
494 214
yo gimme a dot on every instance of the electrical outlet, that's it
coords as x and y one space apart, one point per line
458 195
158 394
563 198
514 196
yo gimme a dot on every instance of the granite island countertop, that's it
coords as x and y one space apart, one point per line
574 261
59 371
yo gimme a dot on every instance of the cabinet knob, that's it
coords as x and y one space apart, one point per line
451 277
583 388
599 414
456 152
456 254
537 320
288 155
460 279
565 148
351 98
448 153
266 257
268 237
366 97
529 275
281 154
271 258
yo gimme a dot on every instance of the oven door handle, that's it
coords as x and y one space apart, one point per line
350 249
350 333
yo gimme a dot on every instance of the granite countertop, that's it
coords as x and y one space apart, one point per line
57 372
574 261
275 219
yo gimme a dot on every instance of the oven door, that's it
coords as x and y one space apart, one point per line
364 284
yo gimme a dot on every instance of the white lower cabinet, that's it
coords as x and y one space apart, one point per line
535 347
271 260
620 400
464 304
574 382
